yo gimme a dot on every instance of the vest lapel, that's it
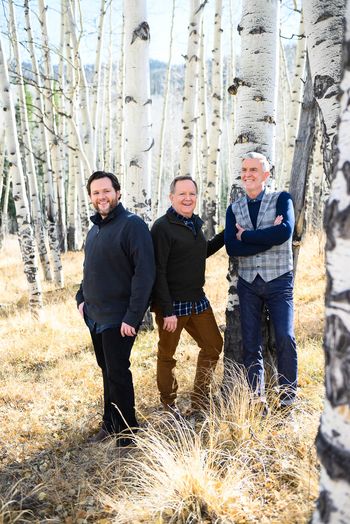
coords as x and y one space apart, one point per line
263 207
245 212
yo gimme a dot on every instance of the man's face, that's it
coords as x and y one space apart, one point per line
103 196
253 176
184 198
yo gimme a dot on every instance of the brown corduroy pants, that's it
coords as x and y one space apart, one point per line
204 330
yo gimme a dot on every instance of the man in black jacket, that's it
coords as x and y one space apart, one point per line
118 276
178 299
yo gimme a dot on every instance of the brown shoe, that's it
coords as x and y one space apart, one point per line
100 436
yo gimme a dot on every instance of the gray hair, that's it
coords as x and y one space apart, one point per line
253 154
179 179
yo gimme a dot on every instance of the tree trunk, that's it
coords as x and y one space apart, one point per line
138 129
190 103
324 24
25 232
157 209
302 161
333 443
211 190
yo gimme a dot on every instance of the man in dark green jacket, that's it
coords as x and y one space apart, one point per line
118 276
178 298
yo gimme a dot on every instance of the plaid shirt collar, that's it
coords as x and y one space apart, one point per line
188 222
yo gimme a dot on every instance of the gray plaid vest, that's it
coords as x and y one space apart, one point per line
275 261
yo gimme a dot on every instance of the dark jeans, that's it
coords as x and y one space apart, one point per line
113 356
278 297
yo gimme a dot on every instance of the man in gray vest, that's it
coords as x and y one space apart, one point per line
259 228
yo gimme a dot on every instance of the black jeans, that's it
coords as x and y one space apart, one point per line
113 356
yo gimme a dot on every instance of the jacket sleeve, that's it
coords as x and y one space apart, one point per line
274 235
162 247
237 248
140 249
215 243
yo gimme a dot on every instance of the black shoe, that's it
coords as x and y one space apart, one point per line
100 436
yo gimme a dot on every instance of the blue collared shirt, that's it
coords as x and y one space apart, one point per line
256 199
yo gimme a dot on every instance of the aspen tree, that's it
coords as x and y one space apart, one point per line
28 155
302 161
109 140
324 30
87 138
50 182
119 148
294 107
96 81
333 443
202 128
25 231
211 191
138 128
157 210
190 106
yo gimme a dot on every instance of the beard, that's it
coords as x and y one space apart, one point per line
105 209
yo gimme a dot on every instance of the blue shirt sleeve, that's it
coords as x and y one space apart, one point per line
234 247
274 235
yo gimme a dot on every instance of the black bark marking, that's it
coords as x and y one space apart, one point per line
325 506
142 32
150 147
258 30
336 461
129 99
336 345
239 29
346 173
323 17
321 84
232 90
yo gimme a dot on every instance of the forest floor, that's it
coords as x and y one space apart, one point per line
233 466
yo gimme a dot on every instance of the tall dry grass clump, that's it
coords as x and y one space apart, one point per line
231 464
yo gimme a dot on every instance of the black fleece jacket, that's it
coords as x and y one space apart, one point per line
119 269
180 261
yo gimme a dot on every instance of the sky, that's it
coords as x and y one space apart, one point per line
159 19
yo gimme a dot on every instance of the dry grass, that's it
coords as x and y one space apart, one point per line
233 466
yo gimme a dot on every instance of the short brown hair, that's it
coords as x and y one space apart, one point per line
103 174
179 179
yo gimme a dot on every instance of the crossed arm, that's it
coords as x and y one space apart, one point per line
242 242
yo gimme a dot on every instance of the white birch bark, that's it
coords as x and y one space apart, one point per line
87 138
283 103
295 104
211 190
202 132
76 221
190 103
119 149
25 232
109 139
333 443
36 212
138 129
50 149
160 160
255 126
96 82
324 24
